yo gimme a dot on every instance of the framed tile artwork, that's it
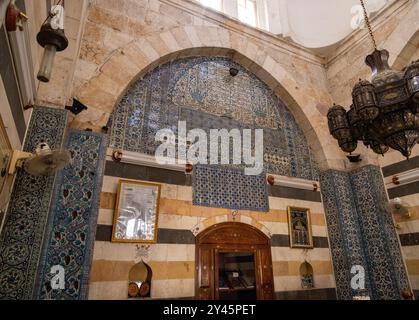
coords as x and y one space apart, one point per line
299 224
136 212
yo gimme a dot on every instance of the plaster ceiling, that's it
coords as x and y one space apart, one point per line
322 23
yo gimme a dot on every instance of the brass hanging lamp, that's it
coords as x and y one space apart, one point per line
385 112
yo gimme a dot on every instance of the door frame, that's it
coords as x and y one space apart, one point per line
232 237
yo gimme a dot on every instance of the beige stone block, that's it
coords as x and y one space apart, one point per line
169 191
159 45
184 193
147 49
115 290
178 14
287 283
170 41
224 38
174 288
136 56
116 39
182 38
111 19
193 36
93 117
106 217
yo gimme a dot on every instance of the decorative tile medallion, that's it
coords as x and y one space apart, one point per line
70 235
202 92
224 187
23 231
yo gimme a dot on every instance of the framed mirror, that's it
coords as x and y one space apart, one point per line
136 212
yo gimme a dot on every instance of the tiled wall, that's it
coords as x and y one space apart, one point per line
173 257
25 224
408 226
362 233
201 92
70 232
52 219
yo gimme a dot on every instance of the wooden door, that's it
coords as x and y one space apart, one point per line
232 237
205 273
266 290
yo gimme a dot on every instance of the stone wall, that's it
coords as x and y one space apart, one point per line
123 40
406 222
172 258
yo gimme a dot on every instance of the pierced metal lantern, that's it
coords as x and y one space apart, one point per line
365 102
412 77
339 128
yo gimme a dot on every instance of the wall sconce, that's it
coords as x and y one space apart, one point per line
52 38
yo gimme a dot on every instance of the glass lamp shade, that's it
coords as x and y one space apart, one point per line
45 69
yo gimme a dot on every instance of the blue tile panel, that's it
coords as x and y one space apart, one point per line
202 92
22 234
388 275
344 233
361 232
72 223
224 187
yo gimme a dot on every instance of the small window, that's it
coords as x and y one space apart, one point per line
214 4
247 11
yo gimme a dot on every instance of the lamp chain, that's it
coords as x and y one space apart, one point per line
367 21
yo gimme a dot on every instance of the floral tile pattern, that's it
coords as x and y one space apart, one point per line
361 232
202 92
71 229
381 243
22 234
224 187
344 233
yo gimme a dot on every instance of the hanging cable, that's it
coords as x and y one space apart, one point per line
367 21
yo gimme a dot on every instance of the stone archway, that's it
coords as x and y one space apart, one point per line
102 92
230 237
408 52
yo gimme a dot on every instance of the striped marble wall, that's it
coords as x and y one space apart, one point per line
172 259
408 226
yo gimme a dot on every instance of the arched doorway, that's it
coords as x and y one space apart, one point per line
233 240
